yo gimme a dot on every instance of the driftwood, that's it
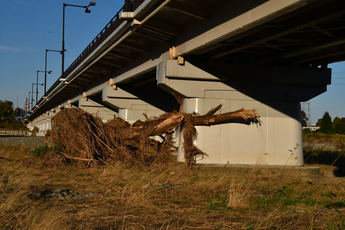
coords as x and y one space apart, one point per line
160 127
86 138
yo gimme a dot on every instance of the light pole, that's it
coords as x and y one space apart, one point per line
32 92
37 81
29 101
87 10
45 69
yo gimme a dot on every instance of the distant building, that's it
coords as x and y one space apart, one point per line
312 127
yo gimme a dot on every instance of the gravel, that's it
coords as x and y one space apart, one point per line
27 141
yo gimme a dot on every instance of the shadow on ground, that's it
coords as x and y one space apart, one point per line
326 157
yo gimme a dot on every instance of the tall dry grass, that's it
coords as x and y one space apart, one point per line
168 196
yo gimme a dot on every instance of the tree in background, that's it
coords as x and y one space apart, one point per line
6 111
19 112
339 126
304 119
318 123
326 125
335 121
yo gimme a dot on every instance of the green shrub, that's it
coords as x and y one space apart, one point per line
41 151
340 128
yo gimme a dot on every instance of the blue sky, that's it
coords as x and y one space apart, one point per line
29 27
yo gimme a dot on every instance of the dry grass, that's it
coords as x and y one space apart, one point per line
168 196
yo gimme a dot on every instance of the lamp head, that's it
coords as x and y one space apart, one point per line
87 10
92 3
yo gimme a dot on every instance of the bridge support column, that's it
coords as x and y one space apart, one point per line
43 123
275 91
276 141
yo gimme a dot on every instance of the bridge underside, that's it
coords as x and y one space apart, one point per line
264 54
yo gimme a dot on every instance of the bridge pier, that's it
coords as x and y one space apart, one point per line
275 91
276 141
129 107
43 123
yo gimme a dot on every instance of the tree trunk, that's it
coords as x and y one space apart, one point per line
149 128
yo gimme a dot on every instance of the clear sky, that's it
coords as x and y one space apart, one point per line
29 27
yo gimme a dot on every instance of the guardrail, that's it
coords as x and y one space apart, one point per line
14 133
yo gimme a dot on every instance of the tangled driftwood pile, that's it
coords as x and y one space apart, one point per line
34 131
86 138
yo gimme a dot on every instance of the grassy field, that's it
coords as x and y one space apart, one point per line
42 193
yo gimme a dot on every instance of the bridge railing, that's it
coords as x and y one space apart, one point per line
112 25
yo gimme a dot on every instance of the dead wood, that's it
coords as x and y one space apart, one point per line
34 131
210 119
155 128
86 138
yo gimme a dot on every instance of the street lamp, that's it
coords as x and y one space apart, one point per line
32 93
29 101
87 10
37 81
45 69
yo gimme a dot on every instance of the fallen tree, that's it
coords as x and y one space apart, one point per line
86 138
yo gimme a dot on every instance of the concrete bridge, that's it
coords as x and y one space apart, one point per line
264 54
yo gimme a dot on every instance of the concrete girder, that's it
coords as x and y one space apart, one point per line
121 55
192 10
242 81
153 36
136 47
109 62
243 22
161 27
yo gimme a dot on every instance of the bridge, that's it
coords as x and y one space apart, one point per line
264 54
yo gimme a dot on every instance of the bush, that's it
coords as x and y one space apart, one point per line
6 111
13 125
41 151
340 128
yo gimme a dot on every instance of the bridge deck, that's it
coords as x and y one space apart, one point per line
128 50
